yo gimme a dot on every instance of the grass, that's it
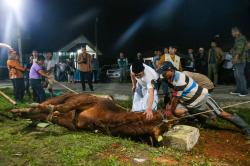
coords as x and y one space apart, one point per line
22 144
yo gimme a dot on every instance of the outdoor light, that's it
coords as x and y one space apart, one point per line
14 4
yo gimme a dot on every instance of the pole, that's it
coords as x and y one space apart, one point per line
19 43
96 36
8 98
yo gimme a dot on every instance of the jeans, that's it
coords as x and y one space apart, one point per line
213 73
123 75
86 76
240 79
95 72
247 73
18 88
38 91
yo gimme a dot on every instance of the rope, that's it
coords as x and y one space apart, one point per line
188 116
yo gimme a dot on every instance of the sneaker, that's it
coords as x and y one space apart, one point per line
246 133
234 93
242 95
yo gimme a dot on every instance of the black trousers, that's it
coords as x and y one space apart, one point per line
86 76
94 74
38 91
18 88
247 73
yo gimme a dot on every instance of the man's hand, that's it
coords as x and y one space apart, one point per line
168 111
133 89
149 113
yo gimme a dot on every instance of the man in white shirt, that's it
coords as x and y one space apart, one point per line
50 65
143 87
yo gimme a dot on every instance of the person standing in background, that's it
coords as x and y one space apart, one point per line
176 61
34 55
215 56
201 62
27 79
84 60
239 61
189 66
247 70
123 65
70 69
95 68
16 71
50 66
156 59
139 57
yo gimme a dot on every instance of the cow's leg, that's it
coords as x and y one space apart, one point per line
71 105
58 99
51 102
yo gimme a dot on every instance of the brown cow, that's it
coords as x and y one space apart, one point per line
87 112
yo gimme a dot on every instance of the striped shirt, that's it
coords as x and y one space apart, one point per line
187 90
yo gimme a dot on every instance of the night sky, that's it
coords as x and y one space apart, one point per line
129 25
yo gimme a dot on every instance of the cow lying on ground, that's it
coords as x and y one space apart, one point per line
88 112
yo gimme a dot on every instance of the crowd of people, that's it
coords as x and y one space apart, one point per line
220 65
182 91
42 72
187 94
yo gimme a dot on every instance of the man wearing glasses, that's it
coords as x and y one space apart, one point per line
143 88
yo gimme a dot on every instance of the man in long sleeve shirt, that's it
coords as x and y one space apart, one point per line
239 61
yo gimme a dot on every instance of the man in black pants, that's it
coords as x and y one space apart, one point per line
247 69
84 60
16 71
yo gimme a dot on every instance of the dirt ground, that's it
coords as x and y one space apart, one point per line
223 147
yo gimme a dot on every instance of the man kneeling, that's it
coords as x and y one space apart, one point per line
145 95
188 96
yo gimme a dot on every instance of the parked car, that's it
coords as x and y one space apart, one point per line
114 72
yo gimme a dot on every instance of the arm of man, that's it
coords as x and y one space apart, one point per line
43 73
133 80
17 66
173 104
149 112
